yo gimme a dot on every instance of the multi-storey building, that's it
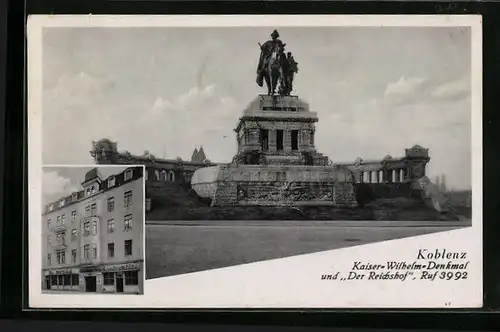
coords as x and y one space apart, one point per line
93 239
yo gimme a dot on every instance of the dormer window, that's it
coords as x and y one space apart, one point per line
61 203
94 189
88 191
128 175
74 197
111 181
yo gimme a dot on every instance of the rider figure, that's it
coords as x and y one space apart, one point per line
266 51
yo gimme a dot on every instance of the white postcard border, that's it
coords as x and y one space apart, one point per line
157 299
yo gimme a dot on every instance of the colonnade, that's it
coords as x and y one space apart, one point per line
382 176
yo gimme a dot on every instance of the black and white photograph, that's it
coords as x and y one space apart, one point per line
93 230
268 144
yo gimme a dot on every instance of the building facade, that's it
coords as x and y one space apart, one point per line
93 239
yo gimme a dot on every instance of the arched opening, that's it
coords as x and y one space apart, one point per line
171 176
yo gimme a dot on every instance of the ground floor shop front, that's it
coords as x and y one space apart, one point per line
124 278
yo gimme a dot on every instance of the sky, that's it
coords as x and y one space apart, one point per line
58 182
377 91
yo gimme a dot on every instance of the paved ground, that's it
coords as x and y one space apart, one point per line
183 247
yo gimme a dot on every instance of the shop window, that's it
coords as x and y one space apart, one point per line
109 278
67 279
75 281
131 278
128 247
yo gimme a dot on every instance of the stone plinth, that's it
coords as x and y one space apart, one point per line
275 185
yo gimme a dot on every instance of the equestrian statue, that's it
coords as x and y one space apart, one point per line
276 67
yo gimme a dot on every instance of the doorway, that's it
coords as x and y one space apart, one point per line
119 284
90 284
47 282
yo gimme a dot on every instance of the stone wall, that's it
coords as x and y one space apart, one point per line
274 185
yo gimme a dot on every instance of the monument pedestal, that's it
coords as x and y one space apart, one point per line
277 163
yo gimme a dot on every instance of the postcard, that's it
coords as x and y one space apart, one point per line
255 161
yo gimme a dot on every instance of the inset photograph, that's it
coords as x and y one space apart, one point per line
93 229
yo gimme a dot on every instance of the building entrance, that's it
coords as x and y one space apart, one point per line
90 284
119 284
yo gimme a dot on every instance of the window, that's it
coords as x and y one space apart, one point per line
94 189
49 259
61 203
111 204
128 222
94 227
131 278
111 250
58 221
93 211
74 197
279 139
111 181
164 175
157 175
49 240
86 252
73 234
61 257
88 191
128 247
264 139
86 228
128 198
63 219
128 175
87 211
73 256
51 207
111 225
171 176
109 278
73 216
49 223
94 251
295 139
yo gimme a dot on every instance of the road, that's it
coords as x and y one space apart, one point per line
182 247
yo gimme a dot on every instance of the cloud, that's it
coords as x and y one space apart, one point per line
54 186
452 89
404 86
